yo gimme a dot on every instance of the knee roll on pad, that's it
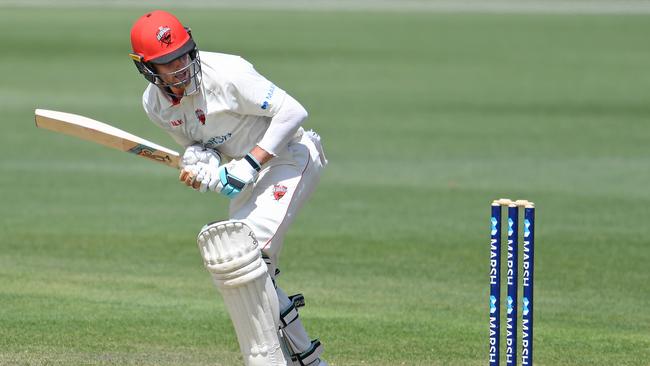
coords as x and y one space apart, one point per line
231 254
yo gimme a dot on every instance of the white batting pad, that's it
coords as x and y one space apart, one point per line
231 254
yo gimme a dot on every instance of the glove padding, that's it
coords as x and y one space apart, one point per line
236 175
200 168
208 176
197 153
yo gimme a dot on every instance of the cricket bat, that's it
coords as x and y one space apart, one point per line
89 129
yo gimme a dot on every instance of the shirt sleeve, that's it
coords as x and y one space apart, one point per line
251 93
283 125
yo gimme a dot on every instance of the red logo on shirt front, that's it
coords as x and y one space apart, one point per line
200 115
176 122
279 191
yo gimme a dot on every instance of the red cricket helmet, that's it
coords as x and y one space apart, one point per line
158 37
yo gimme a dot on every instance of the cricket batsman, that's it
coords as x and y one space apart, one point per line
243 139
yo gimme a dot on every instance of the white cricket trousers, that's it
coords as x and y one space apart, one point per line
269 208
272 204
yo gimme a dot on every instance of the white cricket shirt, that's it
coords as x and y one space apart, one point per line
230 113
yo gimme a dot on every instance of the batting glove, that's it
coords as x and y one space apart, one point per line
200 168
197 153
235 176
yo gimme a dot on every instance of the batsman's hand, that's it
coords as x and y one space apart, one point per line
236 175
188 176
202 175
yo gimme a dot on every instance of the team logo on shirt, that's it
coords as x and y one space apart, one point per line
164 35
200 115
279 191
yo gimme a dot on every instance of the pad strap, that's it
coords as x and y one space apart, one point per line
290 314
298 300
268 262
311 356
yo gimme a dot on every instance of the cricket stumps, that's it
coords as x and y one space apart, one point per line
510 210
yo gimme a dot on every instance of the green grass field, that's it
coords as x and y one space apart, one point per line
425 118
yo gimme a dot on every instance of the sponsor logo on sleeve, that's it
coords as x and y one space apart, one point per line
176 122
267 99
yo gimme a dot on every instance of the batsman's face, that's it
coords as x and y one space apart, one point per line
176 74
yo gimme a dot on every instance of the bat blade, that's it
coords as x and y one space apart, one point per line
91 130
